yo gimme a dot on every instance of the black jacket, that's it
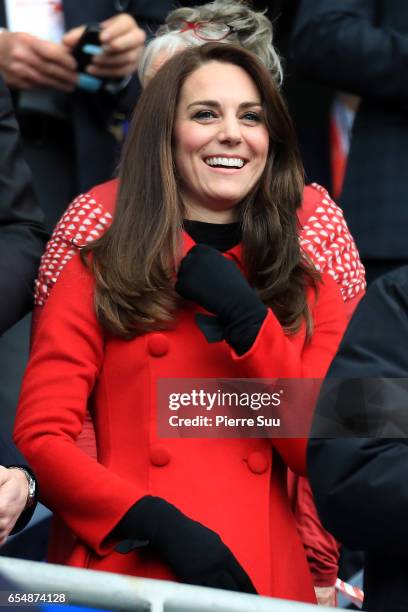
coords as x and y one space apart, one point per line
22 240
361 46
360 483
22 235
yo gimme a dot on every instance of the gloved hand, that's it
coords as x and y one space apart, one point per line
216 284
196 554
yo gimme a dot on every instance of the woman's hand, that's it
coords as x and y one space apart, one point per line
196 554
215 283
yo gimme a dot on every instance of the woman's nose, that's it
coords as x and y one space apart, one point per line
230 131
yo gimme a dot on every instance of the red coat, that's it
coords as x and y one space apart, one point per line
236 487
324 236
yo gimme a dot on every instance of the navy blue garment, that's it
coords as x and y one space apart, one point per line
361 47
360 483
22 233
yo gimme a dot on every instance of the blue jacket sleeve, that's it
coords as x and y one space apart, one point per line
348 45
22 234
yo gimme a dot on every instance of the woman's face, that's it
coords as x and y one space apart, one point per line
220 140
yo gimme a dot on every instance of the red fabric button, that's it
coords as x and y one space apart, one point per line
158 345
258 463
159 456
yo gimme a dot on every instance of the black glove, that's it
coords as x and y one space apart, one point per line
196 554
215 283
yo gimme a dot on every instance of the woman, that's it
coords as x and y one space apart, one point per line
323 232
221 152
227 21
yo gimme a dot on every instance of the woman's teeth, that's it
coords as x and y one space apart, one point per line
226 162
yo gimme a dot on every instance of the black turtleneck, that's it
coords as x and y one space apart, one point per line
221 236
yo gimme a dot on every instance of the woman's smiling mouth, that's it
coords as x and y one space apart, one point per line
224 162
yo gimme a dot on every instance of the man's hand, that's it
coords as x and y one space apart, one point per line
27 61
123 44
13 498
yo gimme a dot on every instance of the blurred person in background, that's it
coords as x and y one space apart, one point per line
210 183
22 233
361 47
22 239
71 134
323 234
362 494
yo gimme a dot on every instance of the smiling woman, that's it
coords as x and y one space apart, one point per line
214 109
200 275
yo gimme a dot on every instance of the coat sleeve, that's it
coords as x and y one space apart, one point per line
326 239
86 219
22 234
358 481
322 550
339 42
276 355
65 361
288 359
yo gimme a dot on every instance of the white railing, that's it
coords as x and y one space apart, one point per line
110 591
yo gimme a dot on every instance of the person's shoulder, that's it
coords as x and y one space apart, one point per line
86 219
396 278
88 216
316 201
327 241
391 288
104 195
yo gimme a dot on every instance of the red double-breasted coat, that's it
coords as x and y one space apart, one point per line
235 486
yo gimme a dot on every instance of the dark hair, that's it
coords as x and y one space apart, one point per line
134 262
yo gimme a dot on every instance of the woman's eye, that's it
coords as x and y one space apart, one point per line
204 114
252 117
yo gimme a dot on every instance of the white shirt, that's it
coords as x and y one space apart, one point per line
42 18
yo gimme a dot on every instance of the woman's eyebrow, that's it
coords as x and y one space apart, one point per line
216 104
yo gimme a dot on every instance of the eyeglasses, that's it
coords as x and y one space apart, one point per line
206 30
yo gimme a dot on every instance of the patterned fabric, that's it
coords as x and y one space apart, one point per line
84 221
325 237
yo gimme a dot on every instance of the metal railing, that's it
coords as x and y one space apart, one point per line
109 591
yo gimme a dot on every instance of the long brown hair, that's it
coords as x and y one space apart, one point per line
134 262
